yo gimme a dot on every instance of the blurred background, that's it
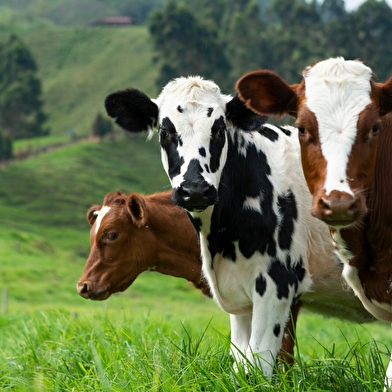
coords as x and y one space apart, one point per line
59 152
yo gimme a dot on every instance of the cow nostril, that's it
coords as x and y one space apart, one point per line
325 205
83 288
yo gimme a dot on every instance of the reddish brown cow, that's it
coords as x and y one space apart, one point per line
344 124
134 233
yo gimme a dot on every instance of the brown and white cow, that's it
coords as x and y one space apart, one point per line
344 121
134 233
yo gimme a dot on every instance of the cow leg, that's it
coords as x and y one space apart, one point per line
240 334
287 349
270 316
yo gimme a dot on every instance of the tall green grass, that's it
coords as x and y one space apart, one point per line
56 351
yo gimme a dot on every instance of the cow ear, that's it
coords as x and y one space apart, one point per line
242 117
136 208
386 97
133 110
267 93
92 213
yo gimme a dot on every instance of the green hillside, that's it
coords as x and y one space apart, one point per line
79 66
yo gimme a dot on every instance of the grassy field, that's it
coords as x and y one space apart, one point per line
160 334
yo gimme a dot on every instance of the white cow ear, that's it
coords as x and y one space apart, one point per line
136 208
92 213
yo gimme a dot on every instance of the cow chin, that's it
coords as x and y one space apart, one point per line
193 200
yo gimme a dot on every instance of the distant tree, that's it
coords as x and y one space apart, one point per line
5 147
21 111
371 36
101 126
242 39
186 45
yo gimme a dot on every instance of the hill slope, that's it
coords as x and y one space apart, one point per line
79 67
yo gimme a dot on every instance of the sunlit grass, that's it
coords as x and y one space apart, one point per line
105 352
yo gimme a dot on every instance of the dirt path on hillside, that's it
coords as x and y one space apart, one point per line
33 151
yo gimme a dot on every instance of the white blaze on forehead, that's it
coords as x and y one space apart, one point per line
337 91
100 214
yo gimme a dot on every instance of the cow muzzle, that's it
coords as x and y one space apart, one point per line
89 290
339 209
195 197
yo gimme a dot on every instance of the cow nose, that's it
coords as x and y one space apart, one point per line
340 209
195 197
84 288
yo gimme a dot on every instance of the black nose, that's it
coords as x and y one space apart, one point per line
195 197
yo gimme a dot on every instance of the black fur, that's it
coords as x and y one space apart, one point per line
132 109
242 117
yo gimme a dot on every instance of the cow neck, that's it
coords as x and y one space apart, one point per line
177 255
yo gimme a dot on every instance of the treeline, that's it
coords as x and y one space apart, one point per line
21 113
222 39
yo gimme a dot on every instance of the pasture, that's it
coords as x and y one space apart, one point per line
160 334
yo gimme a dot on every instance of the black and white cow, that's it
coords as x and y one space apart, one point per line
242 183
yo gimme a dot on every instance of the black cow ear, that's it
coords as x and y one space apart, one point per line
242 117
132 109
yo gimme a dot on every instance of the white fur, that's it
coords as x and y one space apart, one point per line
337 91
100 215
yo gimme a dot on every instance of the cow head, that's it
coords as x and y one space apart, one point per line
117 255
191 116
339 113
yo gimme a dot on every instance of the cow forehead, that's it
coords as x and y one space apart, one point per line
337 91
191 101
100 215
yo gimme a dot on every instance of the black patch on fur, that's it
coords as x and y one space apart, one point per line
170 144
206 168
269 134
202 151
209 112
289 214
285 131
243 177
285 276
196 222
217 142
193 173
133 110
277 329
242 117
261 285
180 109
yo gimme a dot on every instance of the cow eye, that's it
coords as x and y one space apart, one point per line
221 131
375 129
163 133
301 129
111 236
